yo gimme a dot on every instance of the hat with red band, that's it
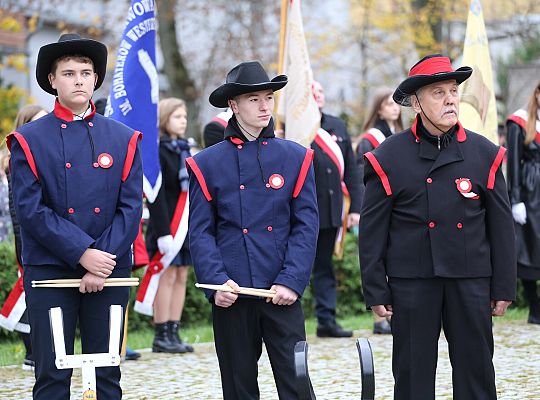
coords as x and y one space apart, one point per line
430 69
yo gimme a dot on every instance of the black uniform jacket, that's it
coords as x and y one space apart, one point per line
327 179
416 223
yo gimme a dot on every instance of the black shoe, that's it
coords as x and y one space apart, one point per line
382 327
162 342
332 330
533 319
174 336
132 354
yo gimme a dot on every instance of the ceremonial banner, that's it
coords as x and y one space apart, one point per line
477 108
134 95
297 106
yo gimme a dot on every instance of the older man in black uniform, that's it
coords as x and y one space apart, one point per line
436 238
336 175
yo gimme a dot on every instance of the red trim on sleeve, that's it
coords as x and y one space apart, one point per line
220 121
130 155
378 169
26 149
495 167
303 172
190 161
371 139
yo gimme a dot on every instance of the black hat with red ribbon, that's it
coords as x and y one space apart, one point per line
430 69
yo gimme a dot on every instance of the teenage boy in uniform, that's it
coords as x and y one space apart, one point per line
253 222
77 188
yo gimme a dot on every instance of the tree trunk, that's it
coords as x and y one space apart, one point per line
181 85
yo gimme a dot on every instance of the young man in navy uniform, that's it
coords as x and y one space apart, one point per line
77 188
436 238
253 223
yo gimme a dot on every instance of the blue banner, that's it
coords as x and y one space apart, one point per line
134 95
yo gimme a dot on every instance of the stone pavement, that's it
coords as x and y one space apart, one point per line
333 364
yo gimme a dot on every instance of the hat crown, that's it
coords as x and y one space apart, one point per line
248 73
68 36
430 65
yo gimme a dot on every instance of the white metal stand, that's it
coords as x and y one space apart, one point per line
87 362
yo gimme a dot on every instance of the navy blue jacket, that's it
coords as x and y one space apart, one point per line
65 200
243 228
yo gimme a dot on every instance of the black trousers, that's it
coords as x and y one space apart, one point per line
463 308
239 332
323 278
92 312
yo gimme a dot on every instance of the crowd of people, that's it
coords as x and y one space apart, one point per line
435 223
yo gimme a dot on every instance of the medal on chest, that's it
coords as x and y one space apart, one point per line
105 160
276 181
464 186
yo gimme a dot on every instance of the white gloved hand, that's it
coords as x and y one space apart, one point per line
164 243
519 213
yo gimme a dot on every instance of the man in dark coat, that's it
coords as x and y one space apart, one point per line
437 239
336 175
253 222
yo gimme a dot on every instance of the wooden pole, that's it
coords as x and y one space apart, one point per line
281 55
124 338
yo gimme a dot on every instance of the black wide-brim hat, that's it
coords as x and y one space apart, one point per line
70 44
246 77
430 69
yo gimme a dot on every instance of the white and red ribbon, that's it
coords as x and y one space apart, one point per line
146 294
14 308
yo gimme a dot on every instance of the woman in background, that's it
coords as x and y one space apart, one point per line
384 120
171 293
26 114
523 171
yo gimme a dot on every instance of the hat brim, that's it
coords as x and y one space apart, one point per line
410 86
92 49
219 98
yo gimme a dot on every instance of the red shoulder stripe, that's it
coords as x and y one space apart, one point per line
130 155
495 167
518 120
378 169
371 139
190 161
303 172
26 149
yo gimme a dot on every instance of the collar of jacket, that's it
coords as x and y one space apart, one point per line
383 126
235 135
66 114
461 135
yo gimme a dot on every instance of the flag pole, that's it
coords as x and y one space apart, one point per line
282 33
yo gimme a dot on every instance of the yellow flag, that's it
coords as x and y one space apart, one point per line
477 109
297 106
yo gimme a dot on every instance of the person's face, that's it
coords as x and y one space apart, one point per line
38 115
318 93
389 110
440 103
177 123
74 82
253 110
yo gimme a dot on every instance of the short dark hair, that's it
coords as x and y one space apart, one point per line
67 57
